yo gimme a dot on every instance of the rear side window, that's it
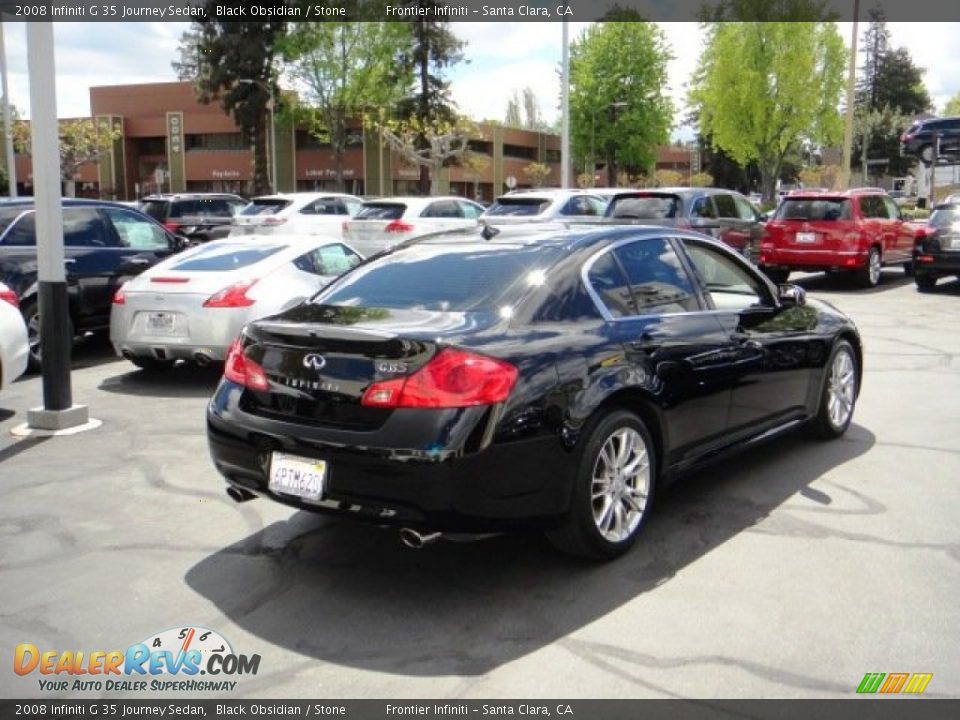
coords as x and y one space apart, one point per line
871 206
809 209
334 259
381 211
135 231
325 206
581 205
608 281
644 207
84 227
702 207
265 206
217 257
157 209
442 209
518 207
7 217
214 207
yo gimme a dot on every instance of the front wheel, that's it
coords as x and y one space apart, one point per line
613 488
839 394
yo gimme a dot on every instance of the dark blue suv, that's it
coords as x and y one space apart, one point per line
105 244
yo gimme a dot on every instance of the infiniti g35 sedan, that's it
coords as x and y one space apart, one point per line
553 379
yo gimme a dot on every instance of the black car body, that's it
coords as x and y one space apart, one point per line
200 217
937 251
105 243
918 139
506 357
724 214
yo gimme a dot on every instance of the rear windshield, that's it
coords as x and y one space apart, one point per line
517 206
381 211
223 257
644 207
212 207
814 209
265 206
945 217
443 279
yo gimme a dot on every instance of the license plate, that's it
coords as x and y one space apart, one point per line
299 476
806 237
160 322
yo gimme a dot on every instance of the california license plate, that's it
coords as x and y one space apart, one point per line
160 322
299 476
806 237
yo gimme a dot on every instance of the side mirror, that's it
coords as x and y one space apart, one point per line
791 295
763 217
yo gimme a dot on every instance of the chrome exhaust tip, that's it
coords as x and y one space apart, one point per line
238 495
202 359
417 540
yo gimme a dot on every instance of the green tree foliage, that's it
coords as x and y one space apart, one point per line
347 68
952 106
618 108
512 117
221 54
433 51
523 111
536 173
763 89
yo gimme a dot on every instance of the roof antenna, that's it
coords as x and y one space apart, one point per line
489 232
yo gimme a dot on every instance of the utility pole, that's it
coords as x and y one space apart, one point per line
7 124
565 109
843 177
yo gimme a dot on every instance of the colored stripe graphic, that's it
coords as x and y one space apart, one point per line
918 682
870 682
895 682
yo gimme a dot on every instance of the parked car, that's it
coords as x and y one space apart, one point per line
937 251
200 217
14 347
192 306
380 224
917 140
725 214
858 231
104 245
544 206
554 379
303 213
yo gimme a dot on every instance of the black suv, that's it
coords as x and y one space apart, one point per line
937 251
200 217
105 244
918 139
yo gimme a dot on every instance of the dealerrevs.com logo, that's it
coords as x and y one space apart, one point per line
167 661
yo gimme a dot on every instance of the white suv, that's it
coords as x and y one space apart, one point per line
302 213
544 206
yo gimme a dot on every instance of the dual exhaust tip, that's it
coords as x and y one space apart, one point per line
200 358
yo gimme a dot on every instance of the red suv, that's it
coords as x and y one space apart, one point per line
858 231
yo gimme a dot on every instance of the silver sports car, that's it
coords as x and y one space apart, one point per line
192 305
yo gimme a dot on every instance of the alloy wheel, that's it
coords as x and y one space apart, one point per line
841 389
620 484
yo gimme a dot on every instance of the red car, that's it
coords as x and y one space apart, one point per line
857 231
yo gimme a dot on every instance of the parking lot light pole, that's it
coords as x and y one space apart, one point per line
273 129
565 109
7 123
58 411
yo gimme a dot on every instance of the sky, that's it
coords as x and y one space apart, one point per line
503 58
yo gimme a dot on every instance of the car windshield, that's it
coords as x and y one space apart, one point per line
265 206
443 279
223 257
945 217
381 211
517 206
814 209
645 207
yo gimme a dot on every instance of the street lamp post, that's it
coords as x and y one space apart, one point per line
7 125
273 128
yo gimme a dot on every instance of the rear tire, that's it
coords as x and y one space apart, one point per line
869 275
613 488
925 282
838 397
30 309
776 275
908 269
926 154
150 364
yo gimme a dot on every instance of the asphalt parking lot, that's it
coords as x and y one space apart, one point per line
790 572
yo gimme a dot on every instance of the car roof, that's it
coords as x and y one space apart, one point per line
30 202
189 196
412 199
302 196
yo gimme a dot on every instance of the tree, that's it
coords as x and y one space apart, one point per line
764 88
536 173
447 142
189 62
869 124
475 165
512 118
434 49
875 44
618 109
82 141
701 179
346 67
667 178
952 106
222 54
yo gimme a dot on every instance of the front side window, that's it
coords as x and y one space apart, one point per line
659 282
745 210
726 207
442 209
702 208
83 227
334 259
729 285
608 281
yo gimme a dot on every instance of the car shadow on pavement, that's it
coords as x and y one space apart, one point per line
890 278
183 380
353 595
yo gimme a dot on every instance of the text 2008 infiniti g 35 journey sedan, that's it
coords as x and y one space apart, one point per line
547 378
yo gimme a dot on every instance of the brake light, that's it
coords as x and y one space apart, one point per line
232 296
242 370
452 379
8 295
172 280
120 296
171 225
274 221
399 226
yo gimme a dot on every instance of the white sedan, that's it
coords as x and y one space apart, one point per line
14 349
192 305
301 213
381 224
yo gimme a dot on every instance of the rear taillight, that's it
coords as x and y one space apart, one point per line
398 226
8 295
171 225
274 221
232 296
906 137
242 370
120 296
452 379
171 280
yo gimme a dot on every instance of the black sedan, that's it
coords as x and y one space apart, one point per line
937 250
548 378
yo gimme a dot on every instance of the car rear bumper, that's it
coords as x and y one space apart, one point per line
504 485
811 259
937 263
205 331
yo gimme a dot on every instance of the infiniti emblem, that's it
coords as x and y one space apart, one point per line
314 361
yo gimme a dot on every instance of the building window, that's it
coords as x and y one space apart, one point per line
151 145
306 140
520 152
215 141
551 155
480 146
